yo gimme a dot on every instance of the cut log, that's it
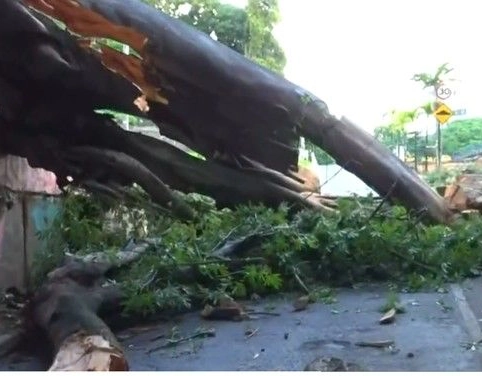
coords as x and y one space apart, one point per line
84 352
66 308
465 193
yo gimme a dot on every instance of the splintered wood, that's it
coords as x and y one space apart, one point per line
89 24
465 193
82 352
130 68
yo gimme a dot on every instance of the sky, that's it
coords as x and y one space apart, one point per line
359 56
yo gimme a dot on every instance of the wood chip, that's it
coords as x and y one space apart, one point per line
375 344
250 332
221 313
388 317
301 303
141 103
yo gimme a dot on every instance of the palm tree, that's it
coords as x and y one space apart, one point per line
433 82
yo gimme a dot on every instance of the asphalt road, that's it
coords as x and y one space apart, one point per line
437 332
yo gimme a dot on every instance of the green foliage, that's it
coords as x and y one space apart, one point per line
262 47
247 31
392 302
394 134
308 249
441 177
227 21
429 80
461 134
446 176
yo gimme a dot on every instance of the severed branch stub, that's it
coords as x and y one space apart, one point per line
66 308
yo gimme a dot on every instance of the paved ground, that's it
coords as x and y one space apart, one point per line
435 334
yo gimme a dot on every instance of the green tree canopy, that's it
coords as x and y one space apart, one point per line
262 47
245 30
461 134
432 81
394 134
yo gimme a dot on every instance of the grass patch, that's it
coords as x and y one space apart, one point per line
392 302
299 251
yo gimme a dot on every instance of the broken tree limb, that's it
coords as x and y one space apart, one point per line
176 168
66 308
131 168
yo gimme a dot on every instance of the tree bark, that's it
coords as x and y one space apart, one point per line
465 193
66 308
358 152
244 119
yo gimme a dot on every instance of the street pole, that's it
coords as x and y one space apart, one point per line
439 146
416 152
126 50
439 136
426 148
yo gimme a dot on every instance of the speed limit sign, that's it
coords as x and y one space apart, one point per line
443 92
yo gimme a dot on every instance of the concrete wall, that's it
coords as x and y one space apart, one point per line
17 175
18 236
35 203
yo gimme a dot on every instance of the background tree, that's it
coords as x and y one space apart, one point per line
226 21
248 31
430 81
262 47
394 134
462 135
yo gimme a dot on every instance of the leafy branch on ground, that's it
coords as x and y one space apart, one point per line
279 250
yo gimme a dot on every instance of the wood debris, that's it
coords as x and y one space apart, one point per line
388 317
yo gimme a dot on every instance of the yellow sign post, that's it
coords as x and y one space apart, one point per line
443 113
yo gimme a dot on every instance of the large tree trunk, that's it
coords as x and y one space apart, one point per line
358 152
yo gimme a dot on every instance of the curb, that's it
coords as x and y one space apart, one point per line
471 324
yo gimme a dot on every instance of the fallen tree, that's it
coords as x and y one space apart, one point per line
245 120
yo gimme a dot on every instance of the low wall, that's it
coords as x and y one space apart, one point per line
28 203
19 227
